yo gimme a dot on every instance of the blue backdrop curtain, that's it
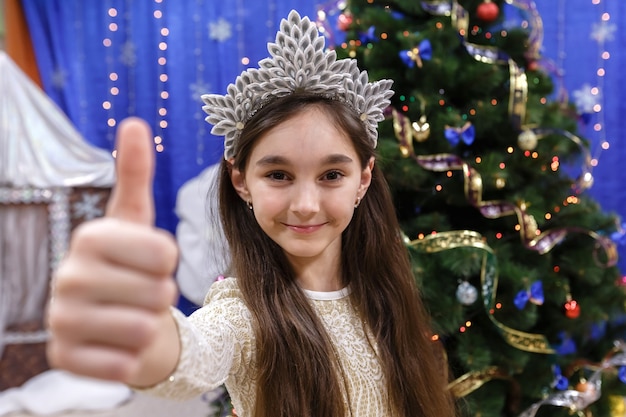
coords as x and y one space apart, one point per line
102 61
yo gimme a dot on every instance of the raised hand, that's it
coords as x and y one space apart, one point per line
109 314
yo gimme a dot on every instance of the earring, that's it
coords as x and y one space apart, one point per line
249 204
358 201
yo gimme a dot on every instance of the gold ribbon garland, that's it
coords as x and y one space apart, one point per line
518 94
528 342
471 381
532 237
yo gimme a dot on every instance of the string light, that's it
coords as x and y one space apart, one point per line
603 56
112 89
600 34
112 43
161 118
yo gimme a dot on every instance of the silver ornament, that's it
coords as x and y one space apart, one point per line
527 140
466 293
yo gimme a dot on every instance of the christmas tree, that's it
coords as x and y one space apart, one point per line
490 181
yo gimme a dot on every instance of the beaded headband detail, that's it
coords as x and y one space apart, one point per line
298 63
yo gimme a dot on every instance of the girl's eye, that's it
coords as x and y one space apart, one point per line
333 176
277 176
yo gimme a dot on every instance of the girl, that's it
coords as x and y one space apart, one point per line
323 318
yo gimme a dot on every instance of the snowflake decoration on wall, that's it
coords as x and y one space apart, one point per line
128 55
603 31
59 78
220 30
585 100
88 207
197 89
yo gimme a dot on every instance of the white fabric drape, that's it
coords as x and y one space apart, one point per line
39 146
204 251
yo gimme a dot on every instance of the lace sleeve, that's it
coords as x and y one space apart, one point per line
215 343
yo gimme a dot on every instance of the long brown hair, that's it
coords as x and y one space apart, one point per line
297 375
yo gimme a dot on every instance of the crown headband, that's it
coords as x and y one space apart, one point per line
298 62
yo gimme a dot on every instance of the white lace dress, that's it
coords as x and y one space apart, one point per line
218 347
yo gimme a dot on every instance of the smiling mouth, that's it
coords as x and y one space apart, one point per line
304 228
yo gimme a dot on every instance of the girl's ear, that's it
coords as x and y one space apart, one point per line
238 180
366 177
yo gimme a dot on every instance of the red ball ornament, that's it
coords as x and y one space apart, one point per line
532 65
572 309
487 11
582 386
344 21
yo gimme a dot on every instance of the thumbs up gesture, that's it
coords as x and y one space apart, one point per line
109 313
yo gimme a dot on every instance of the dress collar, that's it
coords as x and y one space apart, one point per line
327 295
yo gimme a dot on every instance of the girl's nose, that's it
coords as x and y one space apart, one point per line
305 199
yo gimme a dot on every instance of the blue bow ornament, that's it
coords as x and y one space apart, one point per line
534 295
465 134
424 51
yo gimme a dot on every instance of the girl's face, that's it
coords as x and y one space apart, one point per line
303 179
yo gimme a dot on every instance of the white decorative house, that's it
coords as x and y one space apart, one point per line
51 179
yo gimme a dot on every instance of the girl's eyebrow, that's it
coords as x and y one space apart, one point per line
272 160
337 158
280 160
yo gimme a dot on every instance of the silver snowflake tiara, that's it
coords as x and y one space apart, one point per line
299 63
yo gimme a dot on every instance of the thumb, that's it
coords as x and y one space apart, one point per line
132 199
